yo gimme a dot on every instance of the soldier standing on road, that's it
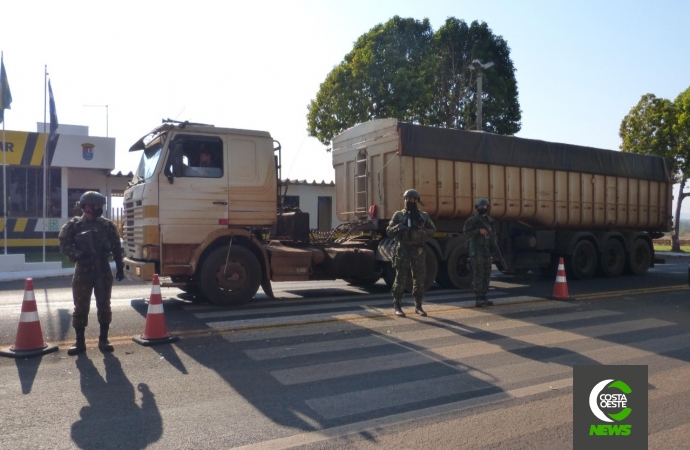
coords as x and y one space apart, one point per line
89 241
410 228
477 230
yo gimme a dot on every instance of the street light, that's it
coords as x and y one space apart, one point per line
106 115
477 66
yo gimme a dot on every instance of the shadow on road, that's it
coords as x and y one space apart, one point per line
113 419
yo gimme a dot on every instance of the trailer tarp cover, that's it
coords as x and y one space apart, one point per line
487 148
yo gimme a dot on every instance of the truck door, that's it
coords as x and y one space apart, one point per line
195 203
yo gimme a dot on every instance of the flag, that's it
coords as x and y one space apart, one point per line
5 94
53 114
53 137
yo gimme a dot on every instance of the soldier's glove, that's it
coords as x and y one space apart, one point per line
120 275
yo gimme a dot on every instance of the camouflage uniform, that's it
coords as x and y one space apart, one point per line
409 258
480 251
92 272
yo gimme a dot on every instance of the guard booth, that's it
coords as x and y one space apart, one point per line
76 163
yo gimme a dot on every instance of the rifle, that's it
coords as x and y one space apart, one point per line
84 242
494 241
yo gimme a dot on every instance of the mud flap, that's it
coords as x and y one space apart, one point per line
266 286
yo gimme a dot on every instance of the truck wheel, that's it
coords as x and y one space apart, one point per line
389 275
362 281
583 262
640 257
456 273
612 260
238 284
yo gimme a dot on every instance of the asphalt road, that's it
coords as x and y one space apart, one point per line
327 365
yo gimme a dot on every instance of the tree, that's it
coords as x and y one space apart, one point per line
402 69
657 126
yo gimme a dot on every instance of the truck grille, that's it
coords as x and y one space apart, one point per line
133 235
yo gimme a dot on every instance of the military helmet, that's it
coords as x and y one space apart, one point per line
91 198
481 202
412 193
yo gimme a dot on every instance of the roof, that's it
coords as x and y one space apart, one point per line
306 183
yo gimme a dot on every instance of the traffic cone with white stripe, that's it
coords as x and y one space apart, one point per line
29 341
155 331
560 289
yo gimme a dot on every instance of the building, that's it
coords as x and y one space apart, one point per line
314 198
76 163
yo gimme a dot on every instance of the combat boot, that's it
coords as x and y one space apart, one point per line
80 345
418 309
398 310
103 344
486 301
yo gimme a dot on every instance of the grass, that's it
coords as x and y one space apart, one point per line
667 248
33 257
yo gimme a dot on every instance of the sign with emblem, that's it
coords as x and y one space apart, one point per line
87 151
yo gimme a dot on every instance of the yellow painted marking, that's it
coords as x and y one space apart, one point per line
37 157
2 225
15 142
31 242
20 225
150 211
678 287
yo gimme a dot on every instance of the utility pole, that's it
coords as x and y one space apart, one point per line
478 67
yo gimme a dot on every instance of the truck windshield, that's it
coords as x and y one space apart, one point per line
149 161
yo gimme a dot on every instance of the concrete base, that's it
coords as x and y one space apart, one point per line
149 342
17 263
10 352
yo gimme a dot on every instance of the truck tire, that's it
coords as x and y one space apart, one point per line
456 272
612 262
238 284
582 264
362 281
640 257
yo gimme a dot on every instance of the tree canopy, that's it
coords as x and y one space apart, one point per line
657 126
403 69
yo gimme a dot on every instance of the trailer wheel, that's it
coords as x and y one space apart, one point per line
456 273
238 284
583 262
362 281
640 257
612 260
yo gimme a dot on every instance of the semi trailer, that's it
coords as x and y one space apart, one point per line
223 231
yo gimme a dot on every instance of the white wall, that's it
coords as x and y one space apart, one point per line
309 200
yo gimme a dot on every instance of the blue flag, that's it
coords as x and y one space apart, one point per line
53 138
5 94
53 114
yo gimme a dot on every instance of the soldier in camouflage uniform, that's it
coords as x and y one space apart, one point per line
410 228
89 241
477 230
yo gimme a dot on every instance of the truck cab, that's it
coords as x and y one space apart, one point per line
198 188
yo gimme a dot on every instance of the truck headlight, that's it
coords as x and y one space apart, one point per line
150 252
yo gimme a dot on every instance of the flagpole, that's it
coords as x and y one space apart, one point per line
4 175
45 157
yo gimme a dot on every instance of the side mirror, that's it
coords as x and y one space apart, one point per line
174 168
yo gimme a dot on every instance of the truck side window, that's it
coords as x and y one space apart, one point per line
202 156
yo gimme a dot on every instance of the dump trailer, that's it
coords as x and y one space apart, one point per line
205 207
598 209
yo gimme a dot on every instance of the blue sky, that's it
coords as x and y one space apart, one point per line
580 65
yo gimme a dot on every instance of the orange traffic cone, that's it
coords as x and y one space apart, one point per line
29 340
155 332
560 289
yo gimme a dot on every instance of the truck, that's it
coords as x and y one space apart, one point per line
226 233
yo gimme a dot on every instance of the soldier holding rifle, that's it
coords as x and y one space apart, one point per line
89 241
411 228
478 230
